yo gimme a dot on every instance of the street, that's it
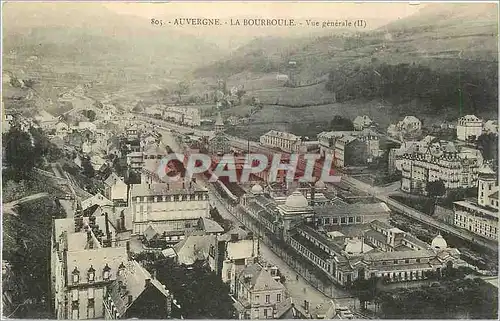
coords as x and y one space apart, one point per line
299 289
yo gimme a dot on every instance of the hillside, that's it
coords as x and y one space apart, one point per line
448 44
63 45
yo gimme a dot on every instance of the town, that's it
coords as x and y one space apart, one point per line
105 218
286 249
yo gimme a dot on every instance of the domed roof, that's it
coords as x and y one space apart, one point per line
439 242
257 189
320 184
296 200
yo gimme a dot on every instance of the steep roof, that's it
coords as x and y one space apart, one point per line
257 278
194 248
112 179
130 284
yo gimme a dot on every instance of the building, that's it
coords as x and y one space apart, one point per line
431 160
115 189
284 141
258 293
469 126
187 116
98 199
357 246
136 294
481 217
238 252
362 122
410 127
170 206
86 257
132 132
219 144
350 148
197 247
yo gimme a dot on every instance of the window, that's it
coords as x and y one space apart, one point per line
351 219
418 260
74 295
257 298
395 261
106 272
278 297
343 220
265 313
268 298
407 261
76 276
91 274
90 293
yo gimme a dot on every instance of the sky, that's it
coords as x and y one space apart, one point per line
375 15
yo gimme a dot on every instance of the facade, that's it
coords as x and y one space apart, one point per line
362 122
349 148
285 141
481 217
115 189
431 160
258 293
188 116
136 294
87 256
469 126
167 207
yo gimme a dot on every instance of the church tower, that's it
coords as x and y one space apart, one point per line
219 124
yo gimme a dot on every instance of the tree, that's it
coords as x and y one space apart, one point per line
88 169
199 291
435 189
339 123
182 89
21 153
488 145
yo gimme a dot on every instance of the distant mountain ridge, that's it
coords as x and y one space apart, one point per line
437 31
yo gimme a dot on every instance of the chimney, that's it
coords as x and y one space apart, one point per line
106 224
234 237
122 219
130 299
147 283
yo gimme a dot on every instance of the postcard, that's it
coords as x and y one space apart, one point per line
249 160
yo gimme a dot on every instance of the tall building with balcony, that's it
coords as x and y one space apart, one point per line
432 160
469 126
87 256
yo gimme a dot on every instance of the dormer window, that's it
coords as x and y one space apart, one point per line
76 276
106 272
91 274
